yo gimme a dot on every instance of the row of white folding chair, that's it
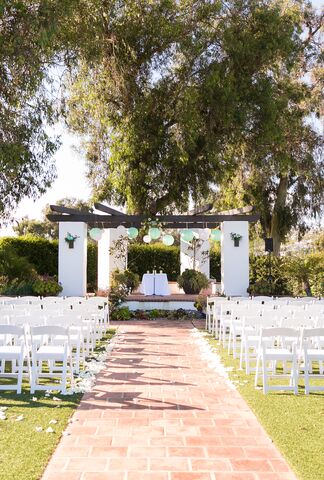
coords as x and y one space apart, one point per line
284 348
39 346
83 330
247 329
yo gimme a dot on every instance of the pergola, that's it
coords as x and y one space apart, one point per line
73 262
112 218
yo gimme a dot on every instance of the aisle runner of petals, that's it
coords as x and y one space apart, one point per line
87 377
210 355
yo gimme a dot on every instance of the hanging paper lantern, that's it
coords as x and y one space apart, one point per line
204 234
121 230
154 233
187 235
168 240
215 235
146 239
96 234
132 232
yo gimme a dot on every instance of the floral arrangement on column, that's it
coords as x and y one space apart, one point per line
236 237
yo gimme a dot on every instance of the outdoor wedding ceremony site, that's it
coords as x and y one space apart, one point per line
161 240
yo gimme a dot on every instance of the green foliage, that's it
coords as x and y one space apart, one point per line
215 264
305 273
192 281
122 284
143 258
155 313
21 256
201 303
12 265
259 276
121 313
92 266
46 286
291 275
41 253
17 287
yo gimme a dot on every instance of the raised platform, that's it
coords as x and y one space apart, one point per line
139 301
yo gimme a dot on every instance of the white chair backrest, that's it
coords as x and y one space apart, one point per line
15 332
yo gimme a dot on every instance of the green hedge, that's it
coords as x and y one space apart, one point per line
215 265
142 258
43 255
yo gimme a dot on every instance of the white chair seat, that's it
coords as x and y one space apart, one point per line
274 353
50 352
10 352
315 353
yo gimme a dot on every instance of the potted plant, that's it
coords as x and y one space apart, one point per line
192 281
70 239
236 237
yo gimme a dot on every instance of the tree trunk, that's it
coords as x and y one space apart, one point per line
280 203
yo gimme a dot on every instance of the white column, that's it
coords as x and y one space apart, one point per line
72 267
201 260
112 255
103 260
235 260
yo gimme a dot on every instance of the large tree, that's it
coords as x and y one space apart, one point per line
179 96
33 41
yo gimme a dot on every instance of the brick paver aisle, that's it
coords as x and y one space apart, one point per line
158 412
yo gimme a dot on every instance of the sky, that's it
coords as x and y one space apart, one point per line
71 176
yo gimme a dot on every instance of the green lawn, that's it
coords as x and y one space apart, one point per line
294 422
24 452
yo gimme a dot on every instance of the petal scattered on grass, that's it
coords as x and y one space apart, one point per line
49 430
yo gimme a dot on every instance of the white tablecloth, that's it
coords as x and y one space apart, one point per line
155 284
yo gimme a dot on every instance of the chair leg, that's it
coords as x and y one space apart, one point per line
20 374
264 376
256 379
306 376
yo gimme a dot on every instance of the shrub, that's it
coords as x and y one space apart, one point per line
215 265
42 256
121 313
122 284
259 276
129 280
142 258
92 267
13 266
192 281
47 286
201 303
305 273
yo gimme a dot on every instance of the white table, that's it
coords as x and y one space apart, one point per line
155 284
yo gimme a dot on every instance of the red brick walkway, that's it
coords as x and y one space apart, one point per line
158 412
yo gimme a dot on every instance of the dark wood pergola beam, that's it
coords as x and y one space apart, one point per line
116 220
238 211
106 209
68 210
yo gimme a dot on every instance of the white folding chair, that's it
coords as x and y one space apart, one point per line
45 348
251 328
12 350
312 351
268 357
